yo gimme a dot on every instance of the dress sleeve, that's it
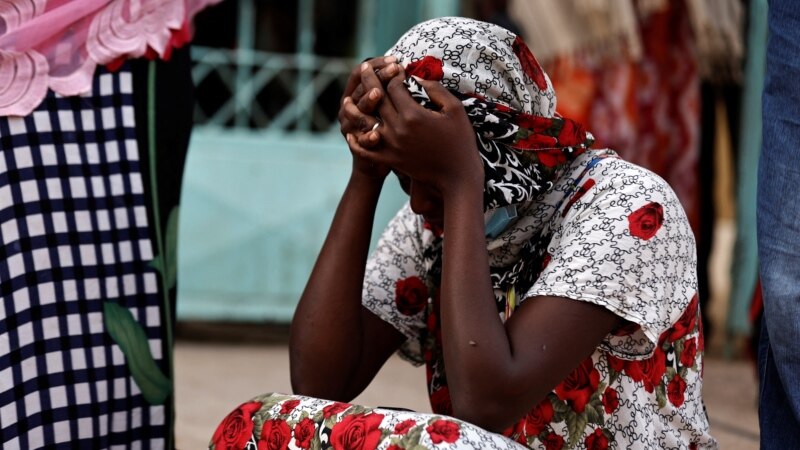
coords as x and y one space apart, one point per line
625 244
394 284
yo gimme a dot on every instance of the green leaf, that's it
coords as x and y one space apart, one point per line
560 408
411 438
594 413
129 335
576 423
661 395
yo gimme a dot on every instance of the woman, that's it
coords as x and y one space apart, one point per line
555 283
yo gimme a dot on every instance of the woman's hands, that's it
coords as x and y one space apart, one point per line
358 115
436 148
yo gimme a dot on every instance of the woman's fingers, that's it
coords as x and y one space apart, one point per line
370 81
353 121
354 80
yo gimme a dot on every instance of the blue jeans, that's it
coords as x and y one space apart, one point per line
778 230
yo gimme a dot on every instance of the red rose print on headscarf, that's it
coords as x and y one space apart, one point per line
553 441
571 134
538 418
427 68
275 435
552 158
579 386
303 433
645 222
596 440
357 432
443 431
649 371
676 390
685 324
411 295
530 66
236 429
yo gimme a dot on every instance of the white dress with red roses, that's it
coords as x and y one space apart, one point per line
613 234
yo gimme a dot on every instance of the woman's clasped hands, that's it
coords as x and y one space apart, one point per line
386 129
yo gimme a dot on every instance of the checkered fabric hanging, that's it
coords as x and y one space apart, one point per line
73 236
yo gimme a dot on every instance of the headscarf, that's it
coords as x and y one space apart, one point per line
508 98
511 104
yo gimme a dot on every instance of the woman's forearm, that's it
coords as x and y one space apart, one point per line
476 348
326 331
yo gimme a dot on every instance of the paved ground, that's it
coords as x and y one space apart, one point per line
212 378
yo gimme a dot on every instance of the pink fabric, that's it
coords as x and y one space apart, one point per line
57 44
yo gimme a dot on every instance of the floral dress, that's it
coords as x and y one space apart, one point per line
608 233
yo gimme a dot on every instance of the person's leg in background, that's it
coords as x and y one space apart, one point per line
779 230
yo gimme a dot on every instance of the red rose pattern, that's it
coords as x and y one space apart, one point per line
334 408
538 418
689 352
303 433
411 296
289 406
427 68
530 66
357 432
404 426
610 400
275 435
552 158
572 134
237 428
645 222
649 371
685 324
443 431
596 440
553 441
579 386
675 390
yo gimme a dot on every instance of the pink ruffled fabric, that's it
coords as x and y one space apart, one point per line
57 44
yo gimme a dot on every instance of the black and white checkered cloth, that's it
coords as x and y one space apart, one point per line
73 234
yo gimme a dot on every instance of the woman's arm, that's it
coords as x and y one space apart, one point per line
336 346
496 372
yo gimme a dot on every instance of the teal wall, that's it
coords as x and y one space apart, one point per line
254 213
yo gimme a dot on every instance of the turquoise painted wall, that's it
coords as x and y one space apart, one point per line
255 210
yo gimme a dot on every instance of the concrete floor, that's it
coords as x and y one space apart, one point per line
212 378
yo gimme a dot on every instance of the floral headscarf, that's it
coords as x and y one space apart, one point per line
508 98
